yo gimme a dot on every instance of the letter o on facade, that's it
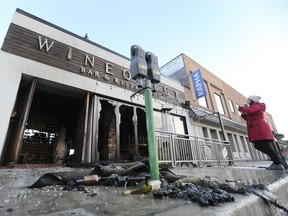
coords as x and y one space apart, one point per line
126 74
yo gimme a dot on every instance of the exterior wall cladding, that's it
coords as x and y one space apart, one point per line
23 56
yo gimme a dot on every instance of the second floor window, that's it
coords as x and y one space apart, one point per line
219 103
231 106
237 106
202 101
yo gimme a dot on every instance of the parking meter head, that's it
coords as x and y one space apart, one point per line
153 71
138 66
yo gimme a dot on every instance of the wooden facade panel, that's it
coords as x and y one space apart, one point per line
25 43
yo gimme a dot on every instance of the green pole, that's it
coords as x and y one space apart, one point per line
152 145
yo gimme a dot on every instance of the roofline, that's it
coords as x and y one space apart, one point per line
67 32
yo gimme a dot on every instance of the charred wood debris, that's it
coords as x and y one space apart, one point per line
206 191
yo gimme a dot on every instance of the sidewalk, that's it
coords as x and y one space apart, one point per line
17 199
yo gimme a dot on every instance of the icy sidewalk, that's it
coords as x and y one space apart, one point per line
17 199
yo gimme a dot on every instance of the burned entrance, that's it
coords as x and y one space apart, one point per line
133 121
51 127
43 124
55 124
118 124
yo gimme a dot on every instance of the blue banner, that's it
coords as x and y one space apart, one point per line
198 83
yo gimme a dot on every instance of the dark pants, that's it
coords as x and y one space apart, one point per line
269 148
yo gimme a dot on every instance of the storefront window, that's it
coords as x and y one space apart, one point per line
178 124
157 120
214 134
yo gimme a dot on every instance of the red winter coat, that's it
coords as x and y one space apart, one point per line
257 127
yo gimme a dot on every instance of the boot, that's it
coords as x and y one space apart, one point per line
283 162
279 157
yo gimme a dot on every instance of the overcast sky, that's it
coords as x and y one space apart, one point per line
244 43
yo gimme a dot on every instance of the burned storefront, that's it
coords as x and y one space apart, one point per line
69 99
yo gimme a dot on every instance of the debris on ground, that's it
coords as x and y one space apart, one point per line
144 187
135 179
205 196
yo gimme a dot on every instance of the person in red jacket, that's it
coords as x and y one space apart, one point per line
260 133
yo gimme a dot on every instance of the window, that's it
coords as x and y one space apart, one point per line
203 102
243 143
205 132
178 124
232 143
237 105
157 120
222 135
231 106
219 103
214 134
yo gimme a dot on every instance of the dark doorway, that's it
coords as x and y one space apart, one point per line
107 131
142 133
132 121
51 119
50 130
127 136
128 127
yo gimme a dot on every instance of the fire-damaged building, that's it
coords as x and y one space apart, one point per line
65 98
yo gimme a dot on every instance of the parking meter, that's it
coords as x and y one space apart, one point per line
153 71
138 66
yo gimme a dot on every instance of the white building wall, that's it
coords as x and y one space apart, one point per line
9 82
